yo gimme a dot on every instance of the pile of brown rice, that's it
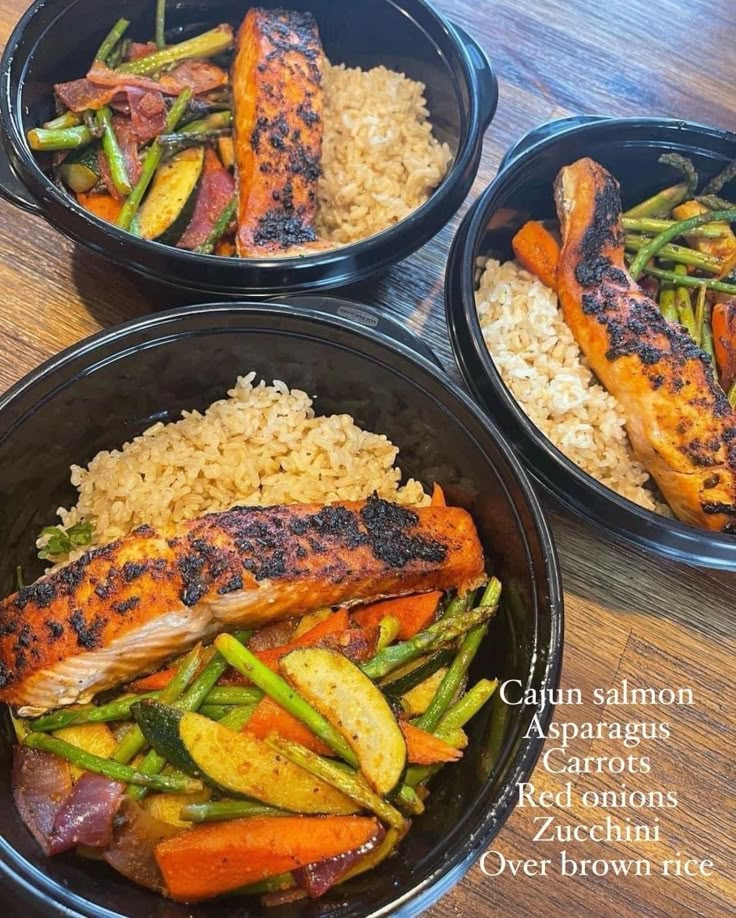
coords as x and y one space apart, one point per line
262 445
380 160
537 356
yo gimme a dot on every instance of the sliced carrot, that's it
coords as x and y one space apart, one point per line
357 644
724 341
438 496
104 206
156 682
538 251
225 248
424 748
414 612
217 858
335 624
270 717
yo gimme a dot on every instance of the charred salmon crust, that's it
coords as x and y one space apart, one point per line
121 610
278 101
679 421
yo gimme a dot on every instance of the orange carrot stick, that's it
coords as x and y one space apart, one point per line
538 251
104 206
724 341
269 717
335 624
438 496
426 749
414 612
217 858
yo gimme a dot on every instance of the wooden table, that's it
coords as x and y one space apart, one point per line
629 615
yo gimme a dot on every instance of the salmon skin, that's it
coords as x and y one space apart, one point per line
678 418
122 610
278 103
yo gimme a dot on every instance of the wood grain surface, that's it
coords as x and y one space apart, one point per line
629 615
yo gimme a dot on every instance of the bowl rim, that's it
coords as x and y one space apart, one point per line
464 852
48 196
548 465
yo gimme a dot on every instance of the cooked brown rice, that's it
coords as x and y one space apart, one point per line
538 359
380 160
262 445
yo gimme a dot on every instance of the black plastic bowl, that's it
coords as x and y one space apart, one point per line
629 148
55 38
111 387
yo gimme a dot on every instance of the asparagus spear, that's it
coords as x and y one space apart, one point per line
681 226
152 162
215 711
67 120
220 228
134 740
182 140
455 719
684 305
110 769
238 717
714 202
50 140
349 783
715 185
685 280
454 676
667 303
222 810
446 629
111 40
215 121
113 153
685 166
660 203
209 44
233 695
160 24
119 709
654 225
680 254
702 320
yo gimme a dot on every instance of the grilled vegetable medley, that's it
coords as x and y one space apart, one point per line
278 762
146 139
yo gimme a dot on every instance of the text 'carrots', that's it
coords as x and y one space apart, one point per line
212 859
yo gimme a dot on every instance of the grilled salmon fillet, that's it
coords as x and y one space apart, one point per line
678 418
121 610
277 99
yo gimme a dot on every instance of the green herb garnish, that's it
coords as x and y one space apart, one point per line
63 541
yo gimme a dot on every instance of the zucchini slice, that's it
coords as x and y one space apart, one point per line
169 205
356 707
236 762
80 171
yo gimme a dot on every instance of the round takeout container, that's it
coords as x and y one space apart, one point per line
629 149
111 387
55 38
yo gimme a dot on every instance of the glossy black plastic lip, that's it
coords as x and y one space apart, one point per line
111 386
629 148
462 93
